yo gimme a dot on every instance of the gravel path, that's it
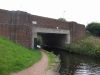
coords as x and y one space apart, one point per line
36 69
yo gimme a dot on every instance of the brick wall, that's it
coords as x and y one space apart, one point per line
49 22
17 26
77 30
4 16
18 33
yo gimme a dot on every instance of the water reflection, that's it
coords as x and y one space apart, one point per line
73 64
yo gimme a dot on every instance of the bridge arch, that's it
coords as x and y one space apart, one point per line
51 37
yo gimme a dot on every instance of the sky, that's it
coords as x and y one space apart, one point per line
81 11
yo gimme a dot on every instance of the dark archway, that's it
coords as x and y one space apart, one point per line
53 39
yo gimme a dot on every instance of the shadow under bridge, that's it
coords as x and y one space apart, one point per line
52 40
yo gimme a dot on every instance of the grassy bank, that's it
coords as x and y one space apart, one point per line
88 46
14 57
52 59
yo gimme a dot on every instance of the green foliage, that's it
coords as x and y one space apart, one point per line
14 57
94 28
62 19
88 46
52 59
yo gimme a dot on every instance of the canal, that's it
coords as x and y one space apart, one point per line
75 64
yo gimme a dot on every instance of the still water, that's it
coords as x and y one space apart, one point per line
74 64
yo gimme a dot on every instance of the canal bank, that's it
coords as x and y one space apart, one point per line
75 64
53 63
89 46
40 68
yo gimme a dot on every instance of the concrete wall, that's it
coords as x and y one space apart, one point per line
18 26
49 31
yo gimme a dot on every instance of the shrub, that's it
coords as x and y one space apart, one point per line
94 28
88 46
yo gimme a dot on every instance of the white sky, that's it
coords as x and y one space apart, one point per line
81 11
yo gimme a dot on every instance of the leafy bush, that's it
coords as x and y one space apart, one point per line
88 46
62 19
94 28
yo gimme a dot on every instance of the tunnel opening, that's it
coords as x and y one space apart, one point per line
51 40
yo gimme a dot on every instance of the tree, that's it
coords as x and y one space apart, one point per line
62 19
94 28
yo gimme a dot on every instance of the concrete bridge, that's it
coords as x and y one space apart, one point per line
51 37
25 28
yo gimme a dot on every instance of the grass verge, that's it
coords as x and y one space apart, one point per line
14 57
52 59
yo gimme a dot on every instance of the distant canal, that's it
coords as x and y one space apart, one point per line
74 64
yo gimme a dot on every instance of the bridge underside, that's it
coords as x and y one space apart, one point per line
53 40
50 37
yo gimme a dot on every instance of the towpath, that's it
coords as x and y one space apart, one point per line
39 68
36 69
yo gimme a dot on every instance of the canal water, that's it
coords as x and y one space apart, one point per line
75 64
